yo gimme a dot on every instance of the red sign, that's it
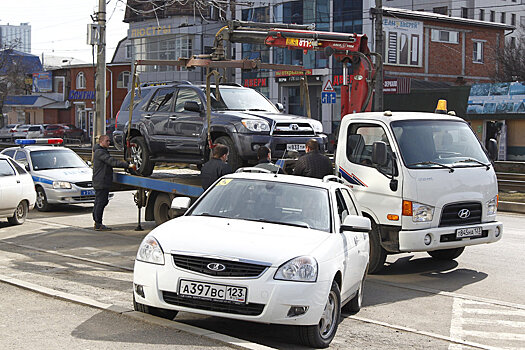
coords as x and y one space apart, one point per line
256 82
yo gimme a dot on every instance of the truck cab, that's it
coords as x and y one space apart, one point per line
423 179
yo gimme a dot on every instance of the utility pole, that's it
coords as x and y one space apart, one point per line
99 125
379 42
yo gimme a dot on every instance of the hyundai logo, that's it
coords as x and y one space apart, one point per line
294 127
464 213
216 267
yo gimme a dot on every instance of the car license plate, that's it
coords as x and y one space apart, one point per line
87 193
295 147
201 290
468 232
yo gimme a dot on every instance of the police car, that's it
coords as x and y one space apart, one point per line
59 174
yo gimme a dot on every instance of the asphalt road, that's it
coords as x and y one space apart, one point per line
416 302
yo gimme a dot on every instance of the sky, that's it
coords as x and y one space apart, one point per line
59 27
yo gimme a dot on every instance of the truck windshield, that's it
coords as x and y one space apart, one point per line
438 144
241 99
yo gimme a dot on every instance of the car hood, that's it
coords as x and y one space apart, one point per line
268 116
263 242
66 174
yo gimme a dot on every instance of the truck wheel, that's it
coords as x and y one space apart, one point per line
20 214
321 334
155 311
41 203
377 252
446 254
162 211
233 157
141 156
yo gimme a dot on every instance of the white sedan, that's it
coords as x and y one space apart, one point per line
17 191
259 247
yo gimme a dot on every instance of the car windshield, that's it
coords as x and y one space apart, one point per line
438 144
241 99
267 201
56 159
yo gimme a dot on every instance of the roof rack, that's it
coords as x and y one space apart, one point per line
334 178
156 83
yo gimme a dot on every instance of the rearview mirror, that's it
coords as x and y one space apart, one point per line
356 223
379 153
280 107
179 203
192 106
493 149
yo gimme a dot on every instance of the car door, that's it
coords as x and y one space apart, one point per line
10 187
156 119
351 241
187 127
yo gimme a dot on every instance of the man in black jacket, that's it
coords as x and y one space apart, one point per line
216 166
103 165
313 163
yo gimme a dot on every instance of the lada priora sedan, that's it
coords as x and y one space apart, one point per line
16 191
259 247
59 174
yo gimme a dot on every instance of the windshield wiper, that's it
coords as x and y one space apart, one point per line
211 215
451 170
305 225
487 165
257 110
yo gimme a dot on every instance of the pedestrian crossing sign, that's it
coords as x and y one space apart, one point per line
328 87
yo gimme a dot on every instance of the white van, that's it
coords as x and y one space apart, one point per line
423 179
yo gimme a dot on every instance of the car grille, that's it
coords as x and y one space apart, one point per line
250 309
450 214
232 268
84 184
83 198
293 129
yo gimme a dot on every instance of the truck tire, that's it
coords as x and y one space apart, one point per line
20 214
446 254
155 311
233 157
141 156
377 252
162 211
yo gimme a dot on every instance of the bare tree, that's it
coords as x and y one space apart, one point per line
512 60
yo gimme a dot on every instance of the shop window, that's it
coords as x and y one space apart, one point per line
81 80
123 80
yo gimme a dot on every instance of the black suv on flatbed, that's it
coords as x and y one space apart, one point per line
169 125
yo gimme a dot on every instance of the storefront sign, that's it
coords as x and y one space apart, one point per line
289 73
500 98
42 82
81 95
396 86
256 82
149 31
297 78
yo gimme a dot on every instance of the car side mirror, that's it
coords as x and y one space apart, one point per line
179 203
192 106
379 153
356 223
280 107
493 149
89 163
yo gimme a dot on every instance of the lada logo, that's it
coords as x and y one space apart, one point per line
216 267
464 213
294 127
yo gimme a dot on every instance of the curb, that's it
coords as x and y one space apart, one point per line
514 207
139 316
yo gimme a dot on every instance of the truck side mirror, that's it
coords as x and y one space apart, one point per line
379 153
493 149
192 106
280 107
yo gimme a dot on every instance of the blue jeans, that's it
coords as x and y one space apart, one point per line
101 200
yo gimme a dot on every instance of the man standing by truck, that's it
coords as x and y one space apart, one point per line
313 163
216 166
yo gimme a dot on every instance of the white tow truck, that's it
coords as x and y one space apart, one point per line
423 179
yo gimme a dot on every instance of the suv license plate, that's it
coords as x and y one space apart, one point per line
296 147
468 232
201 290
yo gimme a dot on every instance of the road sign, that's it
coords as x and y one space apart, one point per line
328 97
328 86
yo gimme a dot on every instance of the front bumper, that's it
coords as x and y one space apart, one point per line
274 297
445 237
75 195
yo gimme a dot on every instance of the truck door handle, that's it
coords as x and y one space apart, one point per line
173 117
147 116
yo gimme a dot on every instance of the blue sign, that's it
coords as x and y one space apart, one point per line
328 97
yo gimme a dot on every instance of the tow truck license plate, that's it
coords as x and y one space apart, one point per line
295 147
468 232
87 192
201 290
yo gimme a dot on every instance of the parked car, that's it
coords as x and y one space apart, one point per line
35 131
20 131
16 191
5 132
169 125
60 175
63 131
259 247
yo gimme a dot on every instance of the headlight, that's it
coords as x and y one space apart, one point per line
150 251
256 125
61 184
301 269
492 206
422 212
317 126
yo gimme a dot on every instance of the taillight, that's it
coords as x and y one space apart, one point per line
116 120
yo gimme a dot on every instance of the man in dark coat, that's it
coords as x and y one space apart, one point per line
264 157
103 165
216 166
313 163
